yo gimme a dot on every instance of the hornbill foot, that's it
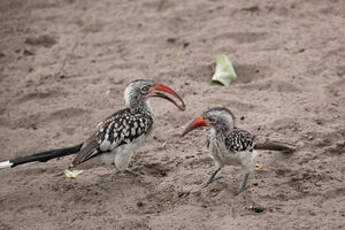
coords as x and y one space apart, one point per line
242 189
244 185
259 167
136 174
211 179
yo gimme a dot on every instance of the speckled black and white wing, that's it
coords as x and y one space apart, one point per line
238 140
121 128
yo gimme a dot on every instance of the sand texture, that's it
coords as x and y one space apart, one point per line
63 68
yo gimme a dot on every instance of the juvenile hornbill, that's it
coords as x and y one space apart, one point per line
228 145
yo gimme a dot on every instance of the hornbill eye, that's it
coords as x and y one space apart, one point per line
145 89
212 120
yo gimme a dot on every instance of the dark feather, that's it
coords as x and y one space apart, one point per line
89 150
118 129
237 140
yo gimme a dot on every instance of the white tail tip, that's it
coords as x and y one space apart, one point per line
5 164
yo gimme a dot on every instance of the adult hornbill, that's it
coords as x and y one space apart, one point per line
118 135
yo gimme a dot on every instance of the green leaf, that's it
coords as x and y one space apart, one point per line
73 174
225 72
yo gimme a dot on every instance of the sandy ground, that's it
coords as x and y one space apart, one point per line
63 68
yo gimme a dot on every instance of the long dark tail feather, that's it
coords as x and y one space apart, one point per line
41 156
275 146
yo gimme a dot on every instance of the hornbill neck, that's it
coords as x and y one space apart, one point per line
139 105
135 102
223 127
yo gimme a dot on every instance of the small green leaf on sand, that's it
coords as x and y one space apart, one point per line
73 174
225 72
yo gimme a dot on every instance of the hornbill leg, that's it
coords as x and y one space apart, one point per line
211 179
130 171
244 185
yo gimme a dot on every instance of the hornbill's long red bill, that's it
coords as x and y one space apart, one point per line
198 122
156 92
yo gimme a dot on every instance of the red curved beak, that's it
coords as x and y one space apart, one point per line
158 88
198 122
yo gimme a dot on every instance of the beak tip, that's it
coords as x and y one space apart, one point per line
164 88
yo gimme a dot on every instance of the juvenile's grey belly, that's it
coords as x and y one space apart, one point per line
223 156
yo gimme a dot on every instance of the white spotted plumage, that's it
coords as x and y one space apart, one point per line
124 131
228 145
121 133
232 147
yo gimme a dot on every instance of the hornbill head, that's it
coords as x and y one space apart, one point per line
214 117
141 90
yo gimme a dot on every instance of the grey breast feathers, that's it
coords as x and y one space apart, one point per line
237 140
118 129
